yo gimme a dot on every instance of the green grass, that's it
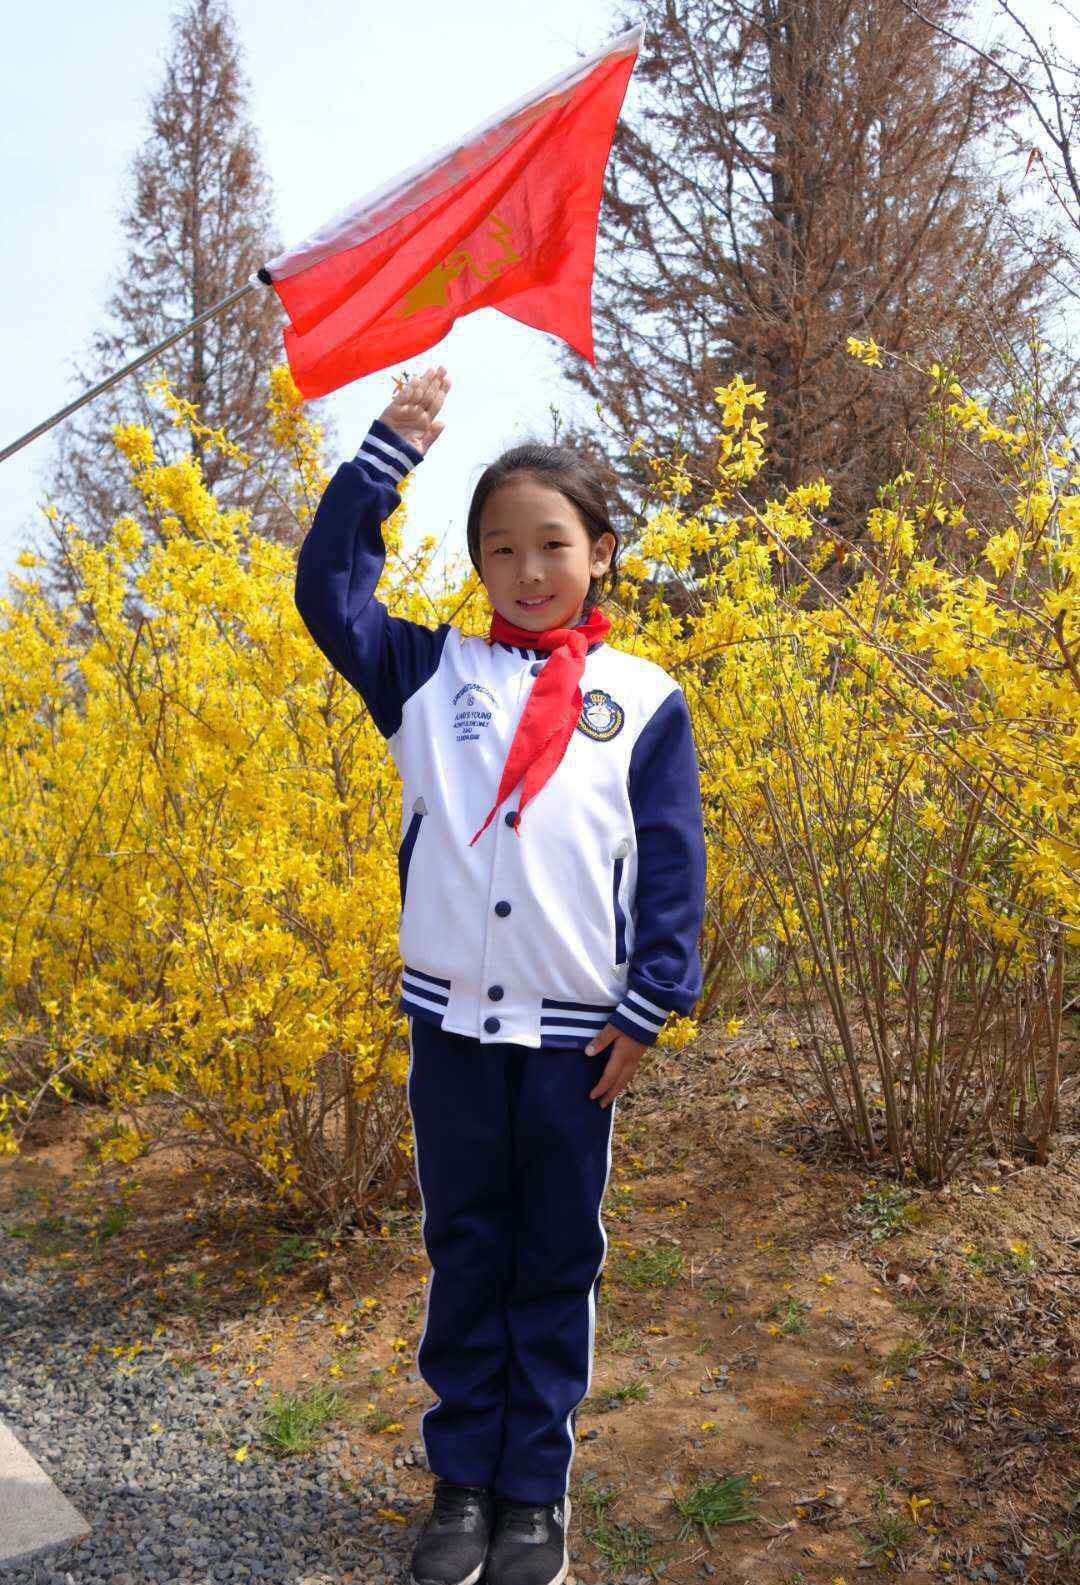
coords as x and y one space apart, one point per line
49 1234
653 1266
948 1320
624 1546
195 1301
596 1497
378 1419
293 1420
1021 1257
888 1534
884 1211
632 1392
115 1219
990 1260
982 1258
41 1227
716 1291
884 1490
291 1249
715 1502
790 1314
904 1355
625 1341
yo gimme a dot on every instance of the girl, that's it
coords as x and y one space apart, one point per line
540 955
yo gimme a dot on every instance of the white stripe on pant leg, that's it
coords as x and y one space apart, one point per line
423 1224
592 1299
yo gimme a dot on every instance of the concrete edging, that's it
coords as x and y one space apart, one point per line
34 1514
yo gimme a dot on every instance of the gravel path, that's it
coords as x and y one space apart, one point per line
173 1504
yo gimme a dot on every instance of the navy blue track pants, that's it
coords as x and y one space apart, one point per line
512 1160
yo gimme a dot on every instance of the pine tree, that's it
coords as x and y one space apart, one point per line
198 223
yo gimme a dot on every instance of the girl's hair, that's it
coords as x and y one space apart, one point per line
563 470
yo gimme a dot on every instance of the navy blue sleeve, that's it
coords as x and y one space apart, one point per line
664 973
384 657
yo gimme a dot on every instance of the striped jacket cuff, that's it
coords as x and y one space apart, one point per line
637 1016
385 451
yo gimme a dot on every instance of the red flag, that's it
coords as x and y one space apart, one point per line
504 217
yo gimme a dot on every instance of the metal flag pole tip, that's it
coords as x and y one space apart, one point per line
103 385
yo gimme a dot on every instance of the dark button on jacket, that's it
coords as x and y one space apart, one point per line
502 909
491 1025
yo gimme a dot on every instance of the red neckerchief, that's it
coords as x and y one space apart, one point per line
552 709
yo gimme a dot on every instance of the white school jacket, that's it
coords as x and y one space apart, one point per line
591 913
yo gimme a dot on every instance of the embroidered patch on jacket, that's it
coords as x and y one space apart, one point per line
601 718
470 714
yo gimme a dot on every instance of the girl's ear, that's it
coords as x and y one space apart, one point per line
605 542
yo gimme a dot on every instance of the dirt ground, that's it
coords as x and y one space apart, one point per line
802 1373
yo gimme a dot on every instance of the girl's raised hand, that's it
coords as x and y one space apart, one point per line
416 401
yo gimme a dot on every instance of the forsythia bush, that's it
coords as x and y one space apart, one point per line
198 893
891 770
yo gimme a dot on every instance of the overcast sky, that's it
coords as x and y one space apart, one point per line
343 96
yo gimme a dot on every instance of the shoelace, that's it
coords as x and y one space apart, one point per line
453 1502
524 1516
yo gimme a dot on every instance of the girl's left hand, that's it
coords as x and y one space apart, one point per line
626 1053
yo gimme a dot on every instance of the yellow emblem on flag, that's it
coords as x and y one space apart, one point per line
431 290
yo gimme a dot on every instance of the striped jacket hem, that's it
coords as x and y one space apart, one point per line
563 1024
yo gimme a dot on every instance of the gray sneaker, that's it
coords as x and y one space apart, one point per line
529 1544
453 1545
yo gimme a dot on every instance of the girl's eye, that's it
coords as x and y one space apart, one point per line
560 542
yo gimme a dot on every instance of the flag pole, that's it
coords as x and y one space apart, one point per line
103 385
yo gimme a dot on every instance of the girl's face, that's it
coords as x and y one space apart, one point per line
534 545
